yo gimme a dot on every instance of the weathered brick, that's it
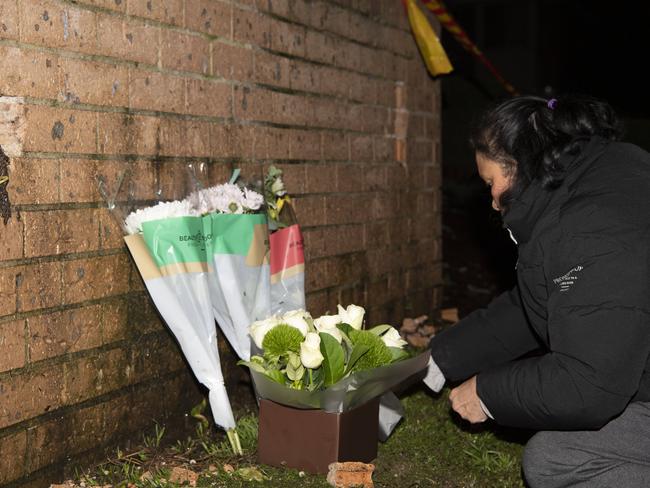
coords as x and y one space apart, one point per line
11 239
209 16
231 140
310 210
53 24
33 181
12 342
361 148
59 333
271 69
166 11
196 139
287 38
87 428
61 232
347 208
250 26
336 146
306 145
59 130
185 52
321 47
116 5
114 320
320 178
207 97
317 275
13 449
253 104
232 62
318 303
129 134
350 177
111 233
133 39
94 375
45 441
30 394
155 356
302 76
9 20
95 83
38 286
156 91
28 72
92 278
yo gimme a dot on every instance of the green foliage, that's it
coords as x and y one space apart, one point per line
280 340
333 359
357 352
378 353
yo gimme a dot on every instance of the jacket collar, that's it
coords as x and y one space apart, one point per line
534 202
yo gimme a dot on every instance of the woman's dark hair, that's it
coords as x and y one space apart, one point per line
528 135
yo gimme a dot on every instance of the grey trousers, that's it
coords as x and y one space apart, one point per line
617 455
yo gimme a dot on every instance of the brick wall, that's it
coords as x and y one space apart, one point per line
334 92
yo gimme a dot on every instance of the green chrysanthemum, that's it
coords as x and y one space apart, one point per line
378 353
282 339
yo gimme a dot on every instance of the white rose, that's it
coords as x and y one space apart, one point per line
393 339
258 329
352 315
331 330
310 354
327 321
297 319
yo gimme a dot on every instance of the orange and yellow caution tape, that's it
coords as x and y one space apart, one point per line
432 51
449 23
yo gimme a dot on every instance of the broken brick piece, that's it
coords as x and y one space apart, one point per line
350 475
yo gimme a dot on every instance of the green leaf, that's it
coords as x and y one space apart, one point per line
295 370
253 365
357 352
398 353
345 328
276 376
334 360
380 329
281 340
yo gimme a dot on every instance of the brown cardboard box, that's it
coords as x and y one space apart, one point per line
310 440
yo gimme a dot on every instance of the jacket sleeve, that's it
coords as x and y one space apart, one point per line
599 336
486 337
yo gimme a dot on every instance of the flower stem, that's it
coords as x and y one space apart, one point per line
311 379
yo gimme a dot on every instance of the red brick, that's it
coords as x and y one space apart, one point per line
114 320
87 429
232 140
232 62
79 178
207 97
94 83
315 243
347 208
26 181
59 333
287 38
60 232
271 69
320 178
111 233
116 5
30 394
361 89
12 342
132 40
384 149
59 130
185 52
361 28
156 91
250 26
166 11
361 148
253 104
11 239
321 47
318 303
92 278
293 176
129 134
303 77
305 145
53 24
172 137
317 275
38 286
28 73
91 376
209 16
272 143
336 146
196 139
292 109
156 356
350 178
329 113
8 290
9 21
47 442
13 447
310 210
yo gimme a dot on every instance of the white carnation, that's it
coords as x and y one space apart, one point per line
163 210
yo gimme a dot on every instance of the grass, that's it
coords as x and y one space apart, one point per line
430 448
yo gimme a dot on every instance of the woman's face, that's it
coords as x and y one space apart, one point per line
491 172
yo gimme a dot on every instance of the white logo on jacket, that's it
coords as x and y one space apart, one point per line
568 279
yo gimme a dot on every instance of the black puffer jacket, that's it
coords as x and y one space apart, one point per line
582 301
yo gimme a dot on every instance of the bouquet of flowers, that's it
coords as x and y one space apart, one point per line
204 258
329 362
286 244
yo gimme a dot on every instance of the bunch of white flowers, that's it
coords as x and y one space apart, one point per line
163 210
226 198
310 353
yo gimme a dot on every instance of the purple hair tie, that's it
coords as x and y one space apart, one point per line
552 103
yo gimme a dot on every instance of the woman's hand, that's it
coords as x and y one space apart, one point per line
466 403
